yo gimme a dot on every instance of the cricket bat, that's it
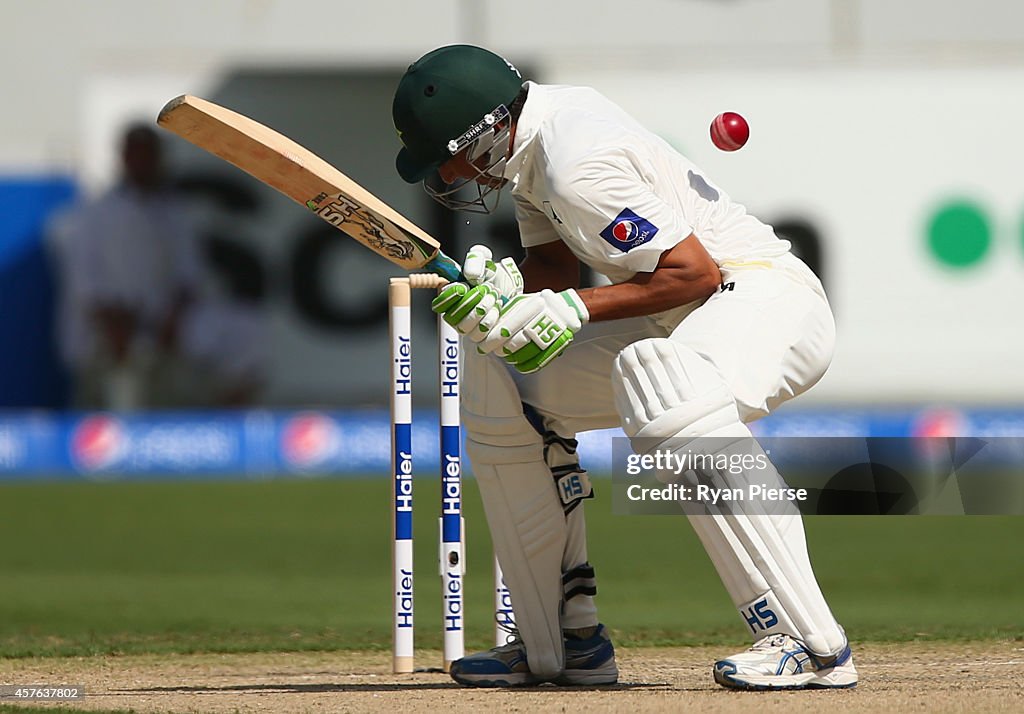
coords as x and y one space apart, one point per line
308 180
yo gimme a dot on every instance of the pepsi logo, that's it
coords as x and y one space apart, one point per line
98 442
625 231
310 439
628 230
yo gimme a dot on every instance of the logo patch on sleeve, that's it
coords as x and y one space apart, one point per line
629 230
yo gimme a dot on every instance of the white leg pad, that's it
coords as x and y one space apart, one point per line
579 586
523 509
664 390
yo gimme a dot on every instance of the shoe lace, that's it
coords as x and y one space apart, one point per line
507 623
769 643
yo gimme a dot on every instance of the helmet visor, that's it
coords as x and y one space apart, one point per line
486 145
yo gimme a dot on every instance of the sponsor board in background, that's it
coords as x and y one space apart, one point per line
267 444
242 444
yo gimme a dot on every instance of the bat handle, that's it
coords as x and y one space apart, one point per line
446 268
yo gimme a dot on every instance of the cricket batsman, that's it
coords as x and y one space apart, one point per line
709 323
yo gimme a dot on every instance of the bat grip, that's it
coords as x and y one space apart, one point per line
447 268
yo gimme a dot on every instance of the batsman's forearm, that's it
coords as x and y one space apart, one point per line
540 274
647 294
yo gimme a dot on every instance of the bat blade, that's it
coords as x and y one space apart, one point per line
308 180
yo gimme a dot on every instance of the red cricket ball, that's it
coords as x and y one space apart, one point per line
729 131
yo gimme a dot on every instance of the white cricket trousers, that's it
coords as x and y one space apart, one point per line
768 330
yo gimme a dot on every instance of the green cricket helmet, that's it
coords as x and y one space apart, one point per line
446 101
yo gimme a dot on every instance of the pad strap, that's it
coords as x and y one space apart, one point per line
579 581
573 485
571 480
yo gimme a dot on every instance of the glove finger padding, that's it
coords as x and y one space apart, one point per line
484 313
471 311
475 266
479 268
449 296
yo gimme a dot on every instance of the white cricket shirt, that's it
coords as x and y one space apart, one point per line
583 171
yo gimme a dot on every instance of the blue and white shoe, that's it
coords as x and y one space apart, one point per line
503 666
781 662
588 662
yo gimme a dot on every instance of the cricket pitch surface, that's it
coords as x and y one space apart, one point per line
916 676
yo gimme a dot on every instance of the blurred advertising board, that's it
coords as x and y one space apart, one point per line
274 444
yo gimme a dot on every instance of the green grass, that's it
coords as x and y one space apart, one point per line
89 568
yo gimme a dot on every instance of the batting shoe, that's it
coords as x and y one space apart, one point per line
589 661
504 666
781 662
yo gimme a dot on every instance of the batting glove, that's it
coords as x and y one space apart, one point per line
480 269
534 328
472 311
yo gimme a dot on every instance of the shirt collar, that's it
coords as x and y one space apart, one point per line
527 127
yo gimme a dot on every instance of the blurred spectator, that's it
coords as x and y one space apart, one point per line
140 325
